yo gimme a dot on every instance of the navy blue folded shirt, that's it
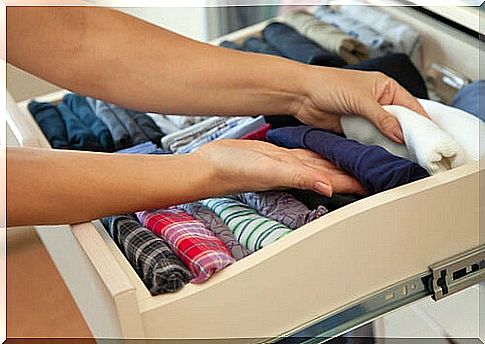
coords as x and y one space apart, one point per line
471 98
78 134
80 107
257 45
299 48
376 168
50 122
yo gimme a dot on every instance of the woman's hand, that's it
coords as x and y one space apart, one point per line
244 165
333 92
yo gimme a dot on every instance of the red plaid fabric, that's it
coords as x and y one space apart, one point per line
202 252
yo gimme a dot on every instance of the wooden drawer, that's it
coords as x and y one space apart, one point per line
315 270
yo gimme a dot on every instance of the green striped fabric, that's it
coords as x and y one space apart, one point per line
250 229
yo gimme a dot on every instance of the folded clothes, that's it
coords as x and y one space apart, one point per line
258 134
404 38
328 36
182 121
250 229
185 136
281 207
399 67
189 144
80 107
230 45
244 127
163 124
147 125
79 135
257 45
465 128
121 137
471 98
159 268
137 135
425 142
215 224
376 168
143 148
313 199
299 48
50 122
375 41
202 252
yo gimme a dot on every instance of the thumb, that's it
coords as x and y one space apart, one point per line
383 120
309 179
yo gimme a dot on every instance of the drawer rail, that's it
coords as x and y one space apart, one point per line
443 279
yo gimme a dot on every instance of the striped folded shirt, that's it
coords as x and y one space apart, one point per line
282 207
159 268
250 229
202 252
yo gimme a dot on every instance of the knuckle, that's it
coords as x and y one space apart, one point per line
298 181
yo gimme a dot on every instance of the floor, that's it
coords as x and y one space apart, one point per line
38 302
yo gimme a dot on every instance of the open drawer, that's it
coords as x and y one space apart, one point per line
379 248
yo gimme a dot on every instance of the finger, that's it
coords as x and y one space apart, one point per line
404 98
347 184
384 121
304 178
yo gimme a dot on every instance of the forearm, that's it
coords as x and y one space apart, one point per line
107 54
46 186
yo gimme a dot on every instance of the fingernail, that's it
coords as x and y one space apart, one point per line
397 134
323 188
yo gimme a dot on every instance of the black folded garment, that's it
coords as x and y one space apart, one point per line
299 48
313 199
159 268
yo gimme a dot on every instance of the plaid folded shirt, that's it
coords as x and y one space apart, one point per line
219 228
195 245
281 207
159 268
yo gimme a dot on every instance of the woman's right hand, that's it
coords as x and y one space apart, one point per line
245 165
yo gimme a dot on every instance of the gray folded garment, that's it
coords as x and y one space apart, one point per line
211 221
328 36
281 207
158 266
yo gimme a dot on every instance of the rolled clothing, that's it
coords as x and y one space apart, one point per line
471 99
182 121
299 48
185 136
376 168
375 41
215 224
199 249
313 200
148 126
281 207
424 142
399 67
80 107
257 45
230 45
79 135
121 137
143 148
404 38
249 228
328 36
465 128
151 257
258 134
137 135
50 122
165 126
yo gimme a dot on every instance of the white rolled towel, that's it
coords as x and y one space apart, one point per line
425 142
465 128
